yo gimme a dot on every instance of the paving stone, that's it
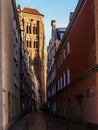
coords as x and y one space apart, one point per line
43 121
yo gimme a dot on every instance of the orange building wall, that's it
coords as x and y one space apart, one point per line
82 41
82 57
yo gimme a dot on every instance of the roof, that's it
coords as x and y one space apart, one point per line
31 11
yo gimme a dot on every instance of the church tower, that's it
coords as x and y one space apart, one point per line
33 28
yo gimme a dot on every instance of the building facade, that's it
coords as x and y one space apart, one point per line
56 37
77 66
28 92
9 64
33 29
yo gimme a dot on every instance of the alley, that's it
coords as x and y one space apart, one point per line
44 121
59 76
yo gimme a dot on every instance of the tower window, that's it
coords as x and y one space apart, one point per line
36 44
28 28
29 42
36 28
33 29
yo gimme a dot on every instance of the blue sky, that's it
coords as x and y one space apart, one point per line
58 10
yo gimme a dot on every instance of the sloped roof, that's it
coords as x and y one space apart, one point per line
31 11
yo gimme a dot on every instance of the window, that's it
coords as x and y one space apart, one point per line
64 53
36 28
68 76
64 77
35 44
28 28
61 82
29 42
58 84
68 48
33 29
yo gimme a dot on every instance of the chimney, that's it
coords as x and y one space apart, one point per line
53 23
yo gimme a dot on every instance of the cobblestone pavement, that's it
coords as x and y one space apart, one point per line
21 124
42 121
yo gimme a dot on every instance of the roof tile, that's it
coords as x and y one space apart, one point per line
31 11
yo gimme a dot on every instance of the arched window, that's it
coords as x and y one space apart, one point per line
27 28
34 29
37 27
29 42
35 44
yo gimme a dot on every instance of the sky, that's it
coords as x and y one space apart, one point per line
58 10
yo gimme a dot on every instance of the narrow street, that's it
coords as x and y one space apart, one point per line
44 121
48 63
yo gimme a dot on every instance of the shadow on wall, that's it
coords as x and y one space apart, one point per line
37 69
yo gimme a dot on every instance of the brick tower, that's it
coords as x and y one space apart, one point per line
33 28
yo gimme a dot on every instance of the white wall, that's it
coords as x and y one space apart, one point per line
0 72
8 65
